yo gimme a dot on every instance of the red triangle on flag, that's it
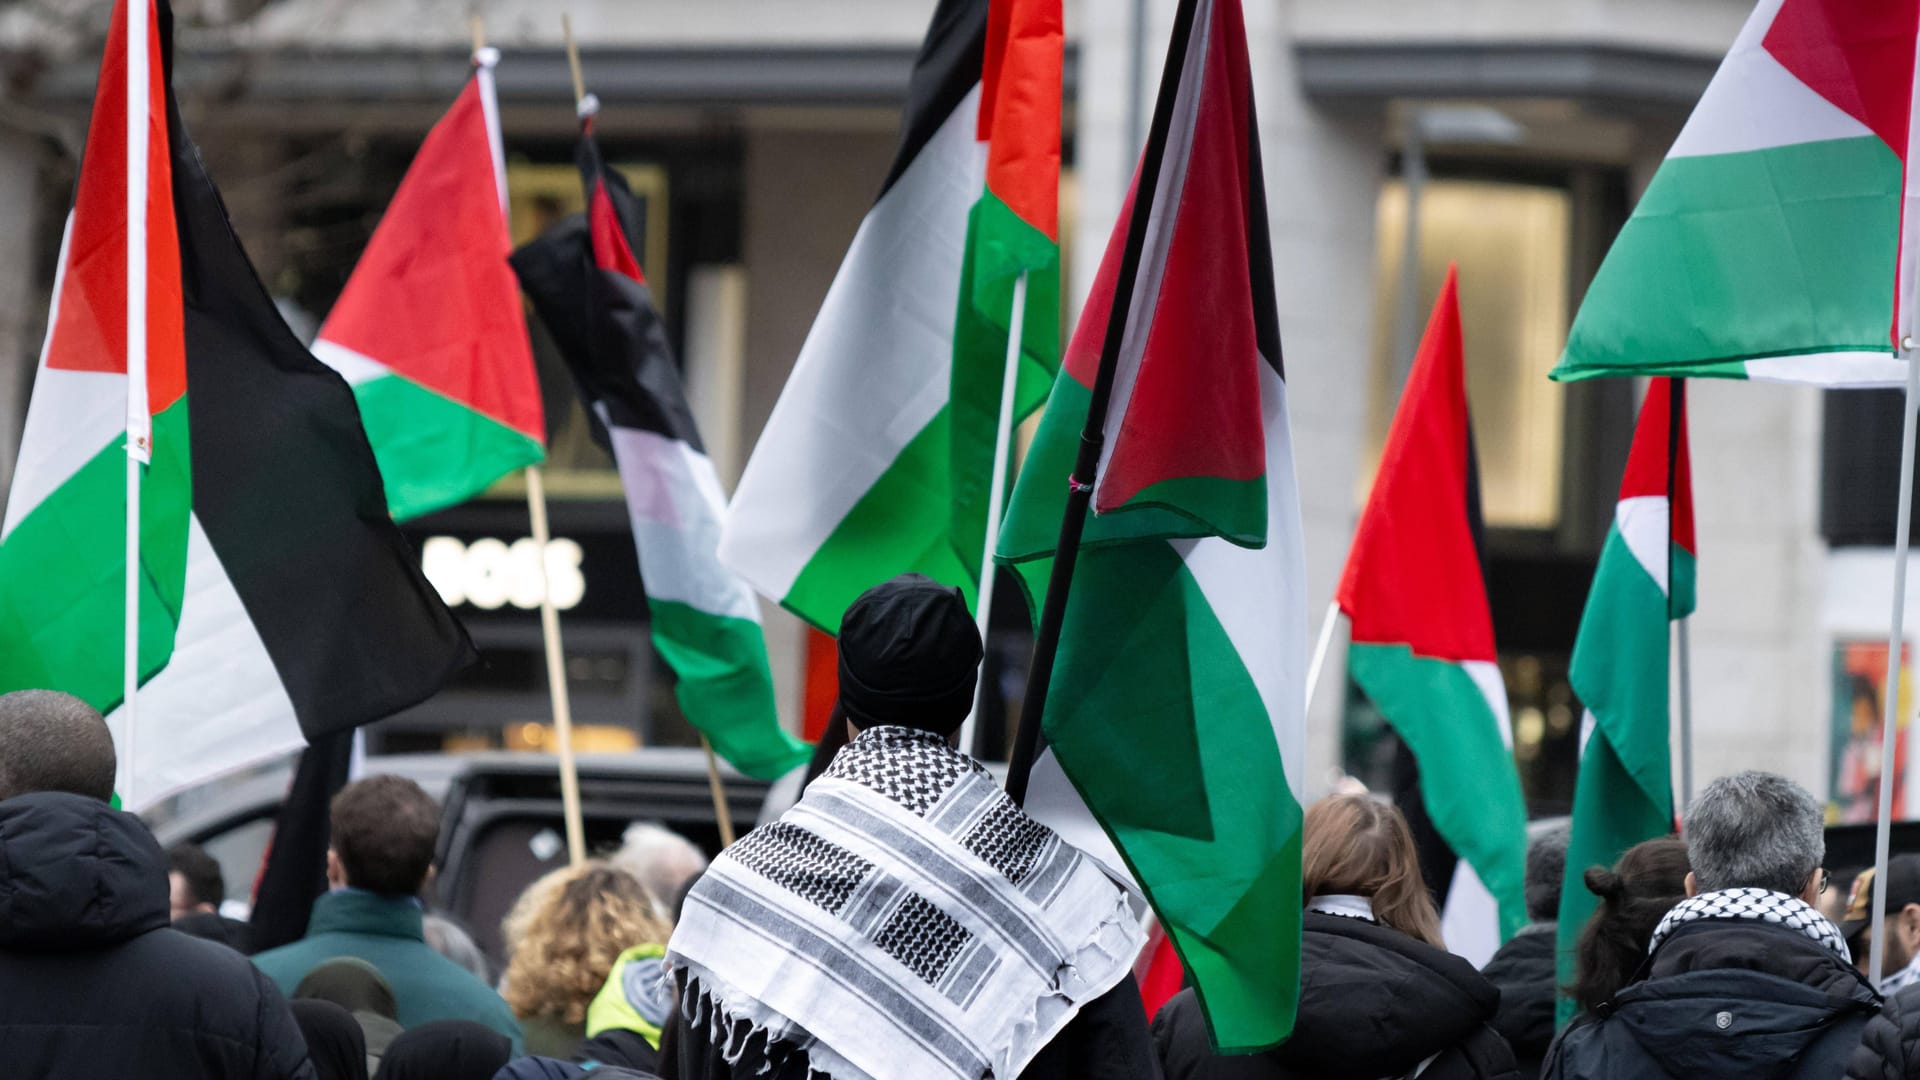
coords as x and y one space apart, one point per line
433 297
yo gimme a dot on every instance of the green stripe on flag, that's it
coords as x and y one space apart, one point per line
63 572
1610 814
433 451
1146 673
721 662
1467 778
1785 251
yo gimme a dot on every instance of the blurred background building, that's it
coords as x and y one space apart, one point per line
1509 136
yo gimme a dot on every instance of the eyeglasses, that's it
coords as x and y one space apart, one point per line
1826 879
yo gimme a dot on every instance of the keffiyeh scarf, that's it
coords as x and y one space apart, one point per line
904 919
1760 905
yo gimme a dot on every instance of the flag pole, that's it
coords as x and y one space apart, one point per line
484 59
1896 648
1676 432
1320 648
139 416
722 813
997 497
1053 612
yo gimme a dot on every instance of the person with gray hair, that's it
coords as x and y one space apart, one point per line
1524 968
662 861
1744 977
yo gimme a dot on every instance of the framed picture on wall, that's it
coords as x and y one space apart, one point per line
1859 681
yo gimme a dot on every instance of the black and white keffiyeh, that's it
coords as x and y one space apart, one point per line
903 919
1759 905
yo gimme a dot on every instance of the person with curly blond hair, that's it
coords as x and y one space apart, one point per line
564 936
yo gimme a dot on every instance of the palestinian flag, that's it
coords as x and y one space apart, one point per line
1769 244
1624 792
878 458
429 329
63 558
301 610
588 288
1422 637
1176 702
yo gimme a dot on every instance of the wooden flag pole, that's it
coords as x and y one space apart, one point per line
139 419
722 813
1896 648
1053 613
573 60
997 498
484 59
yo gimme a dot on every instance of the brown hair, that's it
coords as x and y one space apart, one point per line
384 829
564 934
1634 896
1357 845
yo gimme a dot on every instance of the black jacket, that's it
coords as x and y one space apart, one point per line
1523 970
1374 1003
92 980
1725 998
1890 1045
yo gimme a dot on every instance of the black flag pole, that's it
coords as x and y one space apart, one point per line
1093 433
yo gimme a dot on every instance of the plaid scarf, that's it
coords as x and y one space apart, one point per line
904 919
1760 905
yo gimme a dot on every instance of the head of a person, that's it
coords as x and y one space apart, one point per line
195 883
50 741
336 1045
909 657
1634 896
1756 830
351 983
384 829
1900 899
1355 845
446 1050
451 940
1546 869
662 861
564 934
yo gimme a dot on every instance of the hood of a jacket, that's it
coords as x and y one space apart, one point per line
76 874
1739 998
1375 1002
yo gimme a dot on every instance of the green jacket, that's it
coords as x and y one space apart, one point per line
385 932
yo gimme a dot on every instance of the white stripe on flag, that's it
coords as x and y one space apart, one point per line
1849 369
874 370
354 367
1642 520
1259 596
219 704
1755 104
72 417
1470 924
1486 675
674 501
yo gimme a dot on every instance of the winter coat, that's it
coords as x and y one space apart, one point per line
385 931
1374 1004
1733 998
1890 1045
93 981
1523 969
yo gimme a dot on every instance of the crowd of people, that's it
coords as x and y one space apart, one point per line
904 919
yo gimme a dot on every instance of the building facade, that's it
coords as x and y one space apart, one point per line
1506 137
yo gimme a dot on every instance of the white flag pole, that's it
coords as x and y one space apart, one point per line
997 497
139 418
1896 641
1320 649
484 59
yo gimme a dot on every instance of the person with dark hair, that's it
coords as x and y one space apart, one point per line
1890 1046
378 861
1744 977
358 987
196 890
1634 896
1379 994
335 1042
1523 968
446 1050
92 980
889 901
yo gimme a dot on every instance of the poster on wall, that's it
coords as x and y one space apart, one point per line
1859 680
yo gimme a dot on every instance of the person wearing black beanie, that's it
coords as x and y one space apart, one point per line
909 657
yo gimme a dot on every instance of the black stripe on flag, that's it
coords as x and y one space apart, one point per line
1266 314
286 487
605 323
947 69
